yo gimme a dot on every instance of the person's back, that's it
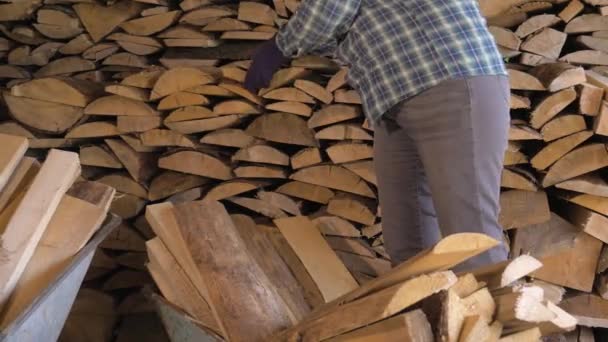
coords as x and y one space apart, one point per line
435 87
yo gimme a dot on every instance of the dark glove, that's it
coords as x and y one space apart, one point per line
266 61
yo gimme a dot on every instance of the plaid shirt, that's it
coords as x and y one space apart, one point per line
395 49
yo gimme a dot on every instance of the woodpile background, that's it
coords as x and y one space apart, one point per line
149 94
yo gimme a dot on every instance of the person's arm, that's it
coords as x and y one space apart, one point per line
316 26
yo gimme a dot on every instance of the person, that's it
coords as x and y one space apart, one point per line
435 89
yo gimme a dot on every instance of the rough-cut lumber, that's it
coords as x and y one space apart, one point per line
372 308
333 279
334 177
222 257
283 128
580 161
196 163
30 219
522 208
13 149
557 149
408 327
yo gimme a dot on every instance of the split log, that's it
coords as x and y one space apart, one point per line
333 114
352 209
588 309
535 24
557 149
125 184
517 179
45 116
520 80
93 130
580 161
101 20
283 128
547 43
334 177
591 184
336 226
150 25
261 207
551 106
98 156
587 23
13 150
141 166
178 79
559 76
261 154
562 126
582 216
115 105
523 208
586 57
136 124
67 91
309 192
65 66
196 163
348 152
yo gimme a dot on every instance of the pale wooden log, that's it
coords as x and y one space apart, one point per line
559 76
309 192
232 188
580 161
557 149
590 99
137 45
262 154
241 91
228 137
13 150
147 26
289 94
28 223
337 81
517 179
591 184
520 80
178 79
333 114
196 163
235 107
588 309
505 37
574 8
261 207
547 43
226 24
131 124
347 96
400 296
45 116
334 177
101 20
66 91
98 156
18 10
116 105
562 126
124 183
93 130
189 113
411 327
348 152
206 14
523 208
267 312
587 23
586 57
336 226
284 77
352 209
551 106
283 128
260 171
569 256
343 132
535 24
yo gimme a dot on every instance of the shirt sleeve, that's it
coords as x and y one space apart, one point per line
316 26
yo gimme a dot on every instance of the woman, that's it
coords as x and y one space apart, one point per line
435 88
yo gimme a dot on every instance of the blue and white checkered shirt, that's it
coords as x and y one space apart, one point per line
395 49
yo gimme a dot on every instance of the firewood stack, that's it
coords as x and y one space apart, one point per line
127 85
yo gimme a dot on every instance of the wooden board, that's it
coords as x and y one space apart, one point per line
326 269
13 149
522 208
31 218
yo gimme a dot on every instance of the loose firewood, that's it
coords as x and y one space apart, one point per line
318 63
283 128
260 171
411 326
40 56
262 154
569 256
520 80
228 137
261 207
338 80
175 284
141 166
580 161
235 107
27 225
547 43
333 114
239 90
551 106
591 184
557 149
281 201
334 177
144 79
45 116
348 152
523 208
269 311
147 26
314 90
178 79
116 105
13 128
196 163
233 73
522 306
101 20
588 309
352 209
590 99
137 45
182 99
309 192
530 335
306 157
336 226
169 183
401 296
343 132
582 216
600 125
535 24
206 14
505 38
98 156
587 23
291 107
558 76
517 179
562 126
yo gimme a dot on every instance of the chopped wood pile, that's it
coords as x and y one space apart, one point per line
149 93
47 214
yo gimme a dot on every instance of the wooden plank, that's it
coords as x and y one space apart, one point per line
590 310
408 327
31 218
20 179
229 275
72 225
13 149
326 269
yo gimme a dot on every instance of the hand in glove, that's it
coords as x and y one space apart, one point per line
266 61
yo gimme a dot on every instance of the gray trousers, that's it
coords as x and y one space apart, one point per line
438 159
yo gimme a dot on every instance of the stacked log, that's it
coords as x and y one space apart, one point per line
149 93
